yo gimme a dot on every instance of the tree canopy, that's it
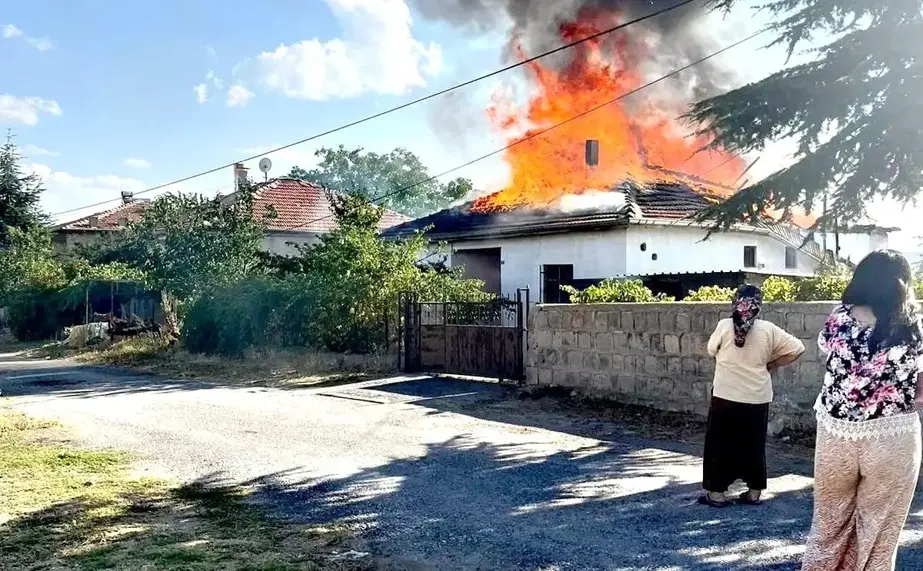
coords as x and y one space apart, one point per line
372 175
19 193
854 109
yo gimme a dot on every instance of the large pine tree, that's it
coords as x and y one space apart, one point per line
19 193
855 109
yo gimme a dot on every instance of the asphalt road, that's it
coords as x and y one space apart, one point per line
444 473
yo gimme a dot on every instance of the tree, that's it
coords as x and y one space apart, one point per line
27 262
372 175
186 243
19 194
855 110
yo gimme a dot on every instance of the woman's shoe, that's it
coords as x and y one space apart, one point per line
747 498
708 500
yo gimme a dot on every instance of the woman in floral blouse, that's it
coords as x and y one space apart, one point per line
868 451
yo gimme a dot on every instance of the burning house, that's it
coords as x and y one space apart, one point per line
575 212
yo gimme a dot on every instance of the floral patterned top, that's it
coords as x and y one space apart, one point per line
860 386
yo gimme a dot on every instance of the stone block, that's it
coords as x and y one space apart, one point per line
554 319
620 340
590 362
602 383
543 338
531 376
690 367
617 363
675 366
697 320
571 379
667 320
794 323
545 377
687 344
579 319
604 342
559 378
683 323
601 320
663 388
653 365
584 379
614 320
626 321
639 343
540 321
585 340
706 366
567 319
656 343
605 362
652 321
814 323
671 344
574 359
630 363
626 384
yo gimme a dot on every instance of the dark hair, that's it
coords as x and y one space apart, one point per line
883 282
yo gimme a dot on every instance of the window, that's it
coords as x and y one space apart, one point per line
791 258
553 277
749 256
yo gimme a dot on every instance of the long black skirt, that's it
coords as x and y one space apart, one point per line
735 445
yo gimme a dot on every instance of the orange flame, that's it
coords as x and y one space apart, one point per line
640 141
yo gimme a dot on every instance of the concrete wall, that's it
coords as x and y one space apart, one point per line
654 354
680 249
593 255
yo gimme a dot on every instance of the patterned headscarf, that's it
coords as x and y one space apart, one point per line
746 305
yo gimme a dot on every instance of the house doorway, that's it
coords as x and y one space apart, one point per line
481 264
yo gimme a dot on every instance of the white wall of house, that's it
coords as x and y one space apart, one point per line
281 242
681 249
854 247
593 255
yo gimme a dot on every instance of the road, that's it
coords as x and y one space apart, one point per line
447 474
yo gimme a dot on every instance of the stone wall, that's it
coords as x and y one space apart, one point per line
654 354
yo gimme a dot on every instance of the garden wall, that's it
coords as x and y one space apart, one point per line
654 354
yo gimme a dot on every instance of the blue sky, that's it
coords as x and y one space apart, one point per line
104 96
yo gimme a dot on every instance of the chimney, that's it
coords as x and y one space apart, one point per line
240 175
127 197
592 152
93 221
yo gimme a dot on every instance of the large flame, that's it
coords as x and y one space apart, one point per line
640 138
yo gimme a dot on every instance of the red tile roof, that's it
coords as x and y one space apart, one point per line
304 207
113 219
301 207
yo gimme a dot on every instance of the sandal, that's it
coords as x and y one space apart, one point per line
747 499
707 501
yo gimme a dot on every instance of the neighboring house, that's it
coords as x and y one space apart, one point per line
627 232
303 213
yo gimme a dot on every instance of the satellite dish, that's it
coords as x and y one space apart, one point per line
265 164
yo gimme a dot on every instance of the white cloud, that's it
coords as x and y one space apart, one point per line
201 92
377 53
31 150
26 110
64 191
238 96
216 81
41 44
136 163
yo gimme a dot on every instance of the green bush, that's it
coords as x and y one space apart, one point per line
615 291
711 293
40 314
777 288
254 312
826 286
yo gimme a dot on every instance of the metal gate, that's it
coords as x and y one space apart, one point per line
478 339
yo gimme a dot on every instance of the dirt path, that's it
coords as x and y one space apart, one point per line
444 473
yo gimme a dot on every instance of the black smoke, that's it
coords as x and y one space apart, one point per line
673 39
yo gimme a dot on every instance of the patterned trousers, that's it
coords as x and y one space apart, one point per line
862 494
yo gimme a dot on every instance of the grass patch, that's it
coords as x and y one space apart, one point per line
64 508
274 368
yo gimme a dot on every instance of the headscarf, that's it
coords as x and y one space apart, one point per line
746 306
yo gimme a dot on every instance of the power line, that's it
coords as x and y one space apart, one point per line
547 129
404 105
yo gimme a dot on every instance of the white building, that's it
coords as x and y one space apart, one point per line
648 235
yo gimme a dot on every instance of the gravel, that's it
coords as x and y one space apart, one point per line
439 473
